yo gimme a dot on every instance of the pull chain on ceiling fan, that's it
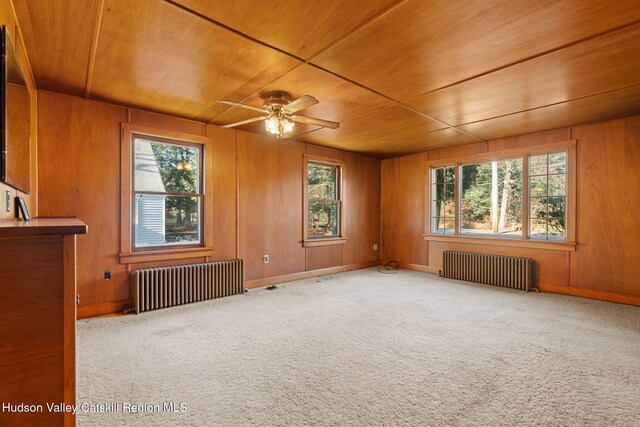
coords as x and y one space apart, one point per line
279 118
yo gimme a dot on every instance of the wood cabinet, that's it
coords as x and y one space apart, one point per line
37 320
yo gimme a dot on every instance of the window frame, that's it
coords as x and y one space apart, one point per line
432 170
129 253
309 241
199 195
458 218
547 196
521 241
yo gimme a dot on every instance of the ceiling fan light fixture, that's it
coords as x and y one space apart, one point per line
278 124
287 126
280 113
272 125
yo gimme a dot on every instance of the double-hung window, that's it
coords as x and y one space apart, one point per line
167 193
324 197
515 195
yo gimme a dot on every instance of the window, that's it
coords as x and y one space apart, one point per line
442 200
167 192
492 198
525 194
323 208
323 199
547 196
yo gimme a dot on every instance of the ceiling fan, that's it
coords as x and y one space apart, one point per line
278 109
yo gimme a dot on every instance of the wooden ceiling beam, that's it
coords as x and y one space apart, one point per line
461 69
554 104
588 109
57 36
370 21
376 17
530 58
247 98
233 30
598 65
97 20
243 35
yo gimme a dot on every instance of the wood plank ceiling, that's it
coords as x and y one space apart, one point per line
401 76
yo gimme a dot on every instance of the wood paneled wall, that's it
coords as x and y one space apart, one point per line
7 17
270 186
79 175
255 210
608 254
605 263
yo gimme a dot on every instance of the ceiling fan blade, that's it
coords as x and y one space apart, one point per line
237 104
300 103
244 122
317 122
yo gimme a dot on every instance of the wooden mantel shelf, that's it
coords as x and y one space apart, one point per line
42 226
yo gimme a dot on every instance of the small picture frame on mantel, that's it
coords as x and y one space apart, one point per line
21 209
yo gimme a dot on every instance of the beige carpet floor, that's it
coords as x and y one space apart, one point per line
364 348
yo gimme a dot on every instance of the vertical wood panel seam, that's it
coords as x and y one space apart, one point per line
237 161
69 309
575 237
303 190
35 201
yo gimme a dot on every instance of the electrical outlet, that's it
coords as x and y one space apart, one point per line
107 275
266 259
375 246
8 198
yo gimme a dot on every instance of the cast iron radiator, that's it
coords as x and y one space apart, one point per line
498 270
182 284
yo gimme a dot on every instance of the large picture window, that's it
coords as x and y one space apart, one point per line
167 192
516 195
492 198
